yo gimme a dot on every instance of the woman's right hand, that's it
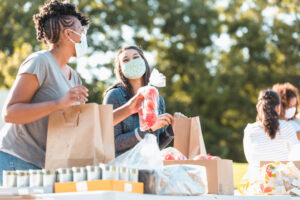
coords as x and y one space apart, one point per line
135 102
77 94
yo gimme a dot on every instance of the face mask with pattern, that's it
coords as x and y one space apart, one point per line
134 69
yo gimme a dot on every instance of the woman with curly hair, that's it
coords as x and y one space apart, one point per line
269 138
289 104
44 84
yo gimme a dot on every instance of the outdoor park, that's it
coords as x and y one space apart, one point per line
216 55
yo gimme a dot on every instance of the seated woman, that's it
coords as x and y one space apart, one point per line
268 139
133 72
289 104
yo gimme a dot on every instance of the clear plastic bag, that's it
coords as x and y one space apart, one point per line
148 112
145 155
275 178
175 180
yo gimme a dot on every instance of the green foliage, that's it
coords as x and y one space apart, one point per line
221 86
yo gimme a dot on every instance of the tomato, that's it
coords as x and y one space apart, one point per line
150 118
150 104
169 157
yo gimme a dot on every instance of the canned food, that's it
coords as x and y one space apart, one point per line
109 172
124 173
93 173
115 172
133 175
79 173
22 178
64 175
35 178
9 179
49 177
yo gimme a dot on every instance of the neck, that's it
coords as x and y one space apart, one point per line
136 84
61 54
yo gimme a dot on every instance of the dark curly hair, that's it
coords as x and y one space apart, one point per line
286 91
267 101
53 16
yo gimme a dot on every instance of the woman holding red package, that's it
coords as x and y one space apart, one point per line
133 73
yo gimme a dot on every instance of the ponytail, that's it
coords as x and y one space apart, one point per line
268 100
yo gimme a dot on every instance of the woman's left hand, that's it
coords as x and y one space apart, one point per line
163 120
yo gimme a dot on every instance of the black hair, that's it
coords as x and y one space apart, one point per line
267 101
52 17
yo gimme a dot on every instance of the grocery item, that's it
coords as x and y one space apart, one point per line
64 175
144 155
79 173
175 180
275 178
171 153
148 112
133 175
22 178
93 173
206 157
49 177
109 172
123 173
35 178
9 179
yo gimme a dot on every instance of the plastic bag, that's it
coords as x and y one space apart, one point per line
275 178
144 155
148 112
175 180
171 153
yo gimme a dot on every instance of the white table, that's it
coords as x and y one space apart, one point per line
106 195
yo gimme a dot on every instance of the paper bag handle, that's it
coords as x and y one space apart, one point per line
71 116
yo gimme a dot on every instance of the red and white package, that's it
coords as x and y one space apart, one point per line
171 153
148 112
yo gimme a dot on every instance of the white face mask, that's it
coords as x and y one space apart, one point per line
82 47
134 69
290 113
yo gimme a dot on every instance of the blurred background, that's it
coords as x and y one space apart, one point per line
216 54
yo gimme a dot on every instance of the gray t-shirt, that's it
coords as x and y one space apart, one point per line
28 141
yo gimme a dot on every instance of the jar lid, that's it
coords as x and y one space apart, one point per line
22 173
48 171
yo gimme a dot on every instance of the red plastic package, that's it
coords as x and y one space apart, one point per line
148 112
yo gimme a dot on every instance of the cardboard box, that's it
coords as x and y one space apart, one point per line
219 174
99 185
188 139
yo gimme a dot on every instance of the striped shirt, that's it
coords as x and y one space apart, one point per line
258 146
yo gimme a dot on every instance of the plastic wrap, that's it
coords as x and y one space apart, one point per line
148 112
175 180
144 155
273 179
171 153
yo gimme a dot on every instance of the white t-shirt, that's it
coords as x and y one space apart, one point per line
295 124
258 146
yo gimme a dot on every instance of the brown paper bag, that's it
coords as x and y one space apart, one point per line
80 135
188 137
